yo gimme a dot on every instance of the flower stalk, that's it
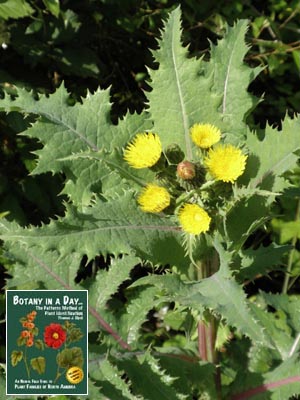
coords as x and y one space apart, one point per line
207 327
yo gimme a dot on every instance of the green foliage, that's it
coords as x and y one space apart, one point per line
114 236
38 364
15 9
203 275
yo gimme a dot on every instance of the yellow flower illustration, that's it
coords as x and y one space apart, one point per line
154 198
225 162
205 135
193 219
143 151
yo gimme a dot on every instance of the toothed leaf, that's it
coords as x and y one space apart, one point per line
231 77
114 227
271 157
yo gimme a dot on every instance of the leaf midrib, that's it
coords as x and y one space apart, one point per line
185 120
165 228
52 118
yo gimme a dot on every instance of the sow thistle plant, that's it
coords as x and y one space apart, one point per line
177 190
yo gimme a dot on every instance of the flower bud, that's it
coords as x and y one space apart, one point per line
186 170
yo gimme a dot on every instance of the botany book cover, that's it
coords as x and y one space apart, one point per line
46 342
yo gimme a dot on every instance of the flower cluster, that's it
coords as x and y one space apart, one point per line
222 162
27 335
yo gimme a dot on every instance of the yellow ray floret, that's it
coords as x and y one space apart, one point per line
225 162
193 219
205 135
154 198
143 151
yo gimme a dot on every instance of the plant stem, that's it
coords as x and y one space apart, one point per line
265 387
108 329
58 375
202 345
207 327
26 364
285 286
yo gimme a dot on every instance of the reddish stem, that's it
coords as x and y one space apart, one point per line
266 386
109 329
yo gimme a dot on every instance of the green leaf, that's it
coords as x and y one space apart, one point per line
145 371
110 378
260 359
74 334
288 304
38 364
136 312
187 372
287 229
68 131
187 91
53 6
271 157
16 357
115 227
244 218
284 381
2 383
281 383
279 337
70 357
107 283
231 77
35 268
219 293
260 261
176 99
223 295
39 344
296 57
15 9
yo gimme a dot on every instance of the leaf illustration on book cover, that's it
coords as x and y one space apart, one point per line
38 364
16 357
70 357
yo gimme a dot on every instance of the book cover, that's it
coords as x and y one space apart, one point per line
46 342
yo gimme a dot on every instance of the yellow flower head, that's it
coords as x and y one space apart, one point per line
225 162
205 135
143 151
154 198
193 219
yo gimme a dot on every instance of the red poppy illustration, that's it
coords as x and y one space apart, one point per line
54 335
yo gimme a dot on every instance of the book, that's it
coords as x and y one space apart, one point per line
46 342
